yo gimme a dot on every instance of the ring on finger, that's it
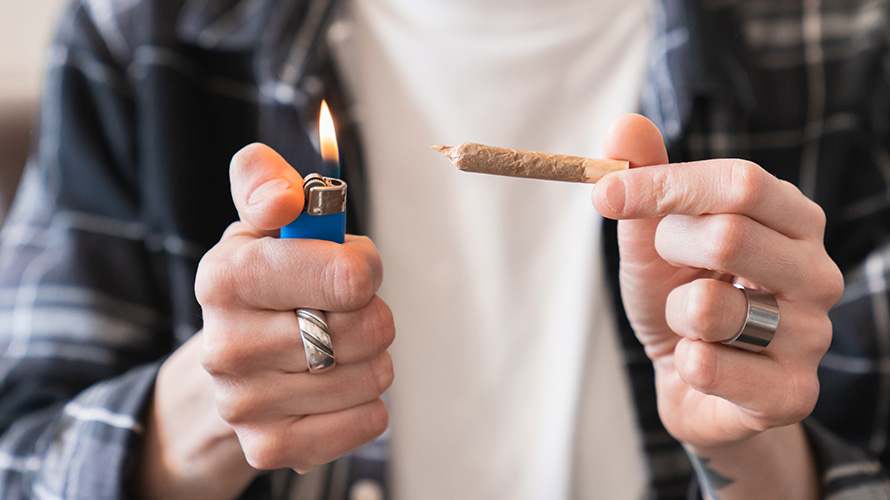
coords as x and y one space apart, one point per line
316 340
761 321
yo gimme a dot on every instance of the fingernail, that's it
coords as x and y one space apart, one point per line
616 195
268 190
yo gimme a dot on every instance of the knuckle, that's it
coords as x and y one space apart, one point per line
383 373
383 333
242 270
664 196
212 354
264 451
376 377
303 469
834 288
825 282
211 279
747 182
375 420
820 336
219 356
763 424
700 369
236 410
728 234
802 394
702 309
818 218
222 277
352 280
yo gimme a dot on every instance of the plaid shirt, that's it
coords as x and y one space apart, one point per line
146 101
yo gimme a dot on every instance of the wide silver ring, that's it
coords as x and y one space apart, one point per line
761 322
316 341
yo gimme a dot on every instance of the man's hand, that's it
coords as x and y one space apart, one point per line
687 232
249 286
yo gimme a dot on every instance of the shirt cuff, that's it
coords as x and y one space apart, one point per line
91 449
845 470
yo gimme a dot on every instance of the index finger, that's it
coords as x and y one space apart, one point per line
244 271
730 186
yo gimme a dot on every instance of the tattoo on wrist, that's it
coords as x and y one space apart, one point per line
711 481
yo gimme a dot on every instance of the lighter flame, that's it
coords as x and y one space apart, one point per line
327 135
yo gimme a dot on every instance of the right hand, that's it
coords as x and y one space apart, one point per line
249 285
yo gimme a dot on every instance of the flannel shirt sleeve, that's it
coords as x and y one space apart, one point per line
846 472
850 426
84 313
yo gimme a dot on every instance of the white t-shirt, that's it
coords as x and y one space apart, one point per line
508 375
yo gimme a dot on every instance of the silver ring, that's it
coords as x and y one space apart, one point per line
316 341
761 322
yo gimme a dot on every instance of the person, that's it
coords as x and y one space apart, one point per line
104 395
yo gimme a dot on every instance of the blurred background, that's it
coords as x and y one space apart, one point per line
25 32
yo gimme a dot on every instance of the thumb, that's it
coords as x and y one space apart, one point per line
267 191
636 139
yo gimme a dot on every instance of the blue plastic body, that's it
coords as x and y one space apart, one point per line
331 227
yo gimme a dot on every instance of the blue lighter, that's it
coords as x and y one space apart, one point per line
324 209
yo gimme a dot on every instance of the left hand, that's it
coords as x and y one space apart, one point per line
686 233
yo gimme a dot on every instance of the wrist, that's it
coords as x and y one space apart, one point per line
188 451
775 464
